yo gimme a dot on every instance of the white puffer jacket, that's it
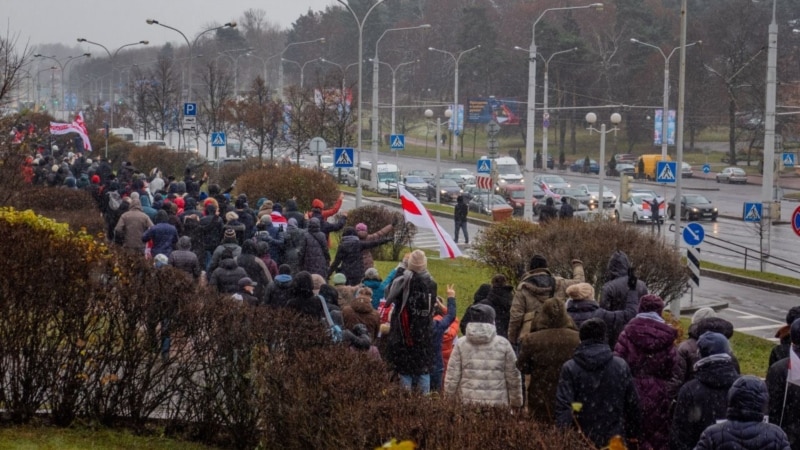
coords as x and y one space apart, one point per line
482 369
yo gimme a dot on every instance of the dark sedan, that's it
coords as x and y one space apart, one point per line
422 173
449 190
578 166
486 204
578 194
693 207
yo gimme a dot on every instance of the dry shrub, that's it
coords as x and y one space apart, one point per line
168 161
73 206
281 183
508 246
377 217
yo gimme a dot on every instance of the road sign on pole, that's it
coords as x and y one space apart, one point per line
190 110
796 221
218 139
693 262
397 142
752 212
788 159
343 157
706 168
317 146
484 166
693 233
189 122
492 128
665 171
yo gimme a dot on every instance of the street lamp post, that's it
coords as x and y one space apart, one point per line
360 23
63 68
665 109
591 118
343 69
768 197
301 66
112 57
39 84
235 65
447 114
531 117
456 120
280 63
545 112
394 94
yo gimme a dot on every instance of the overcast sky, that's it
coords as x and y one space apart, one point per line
115 22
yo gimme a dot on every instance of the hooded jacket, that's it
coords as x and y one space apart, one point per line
410 341
255 268
279 292
314 254
787 415
482 369
582 310
745 428
225 278
361 311
365 237
688 354
231 245
185 259
350 259
131 226
292 213
615 290
293 240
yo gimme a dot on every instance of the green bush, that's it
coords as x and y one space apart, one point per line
281 183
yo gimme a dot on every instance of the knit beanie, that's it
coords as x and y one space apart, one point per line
792 315
651 303
317 281
417 262
361 227
231 216
372 274
277 207
537 262
581 291
702 313
285 269
593 329
481 313
339 279
317 203
230 233
711 343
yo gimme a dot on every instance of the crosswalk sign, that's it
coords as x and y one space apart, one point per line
397 142
484 166
752 212
343 157
665 171
788 159
218 139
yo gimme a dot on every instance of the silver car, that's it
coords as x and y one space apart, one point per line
732 175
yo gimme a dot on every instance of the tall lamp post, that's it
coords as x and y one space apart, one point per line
591 118
531 119
63 68
394 93
447 114
768 197
280 62
456 120
360 23
343 69
301 66
545 112
112 57
665 109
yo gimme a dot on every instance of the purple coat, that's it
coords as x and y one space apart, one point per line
648 346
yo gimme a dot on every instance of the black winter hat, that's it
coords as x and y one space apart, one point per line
537 262
792 315
795 332
593 330
480 313
711 343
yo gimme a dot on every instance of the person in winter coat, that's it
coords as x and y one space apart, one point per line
372 280
262 251
293 213
784 397
619 281
449 339
303 300
349 257
499 297
293 239
745 428
551 342
185 259
358 339
444 316
784 339
582 306
256 269
279 292
131 226
537 285
318 208
703 400
346 293
596 390
460 218
225 278
482 368
164 235
647 344
229 242
328 227
267 232
246 292
365 236
211 232
703 321
361 311
314 254
412 298
548 212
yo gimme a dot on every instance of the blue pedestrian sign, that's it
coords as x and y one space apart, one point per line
218 139
706 168
788 159
343 157
752 212
189 109
665 171
484 166
397 142
693 233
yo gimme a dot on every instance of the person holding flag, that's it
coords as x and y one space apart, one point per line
415 213
783 383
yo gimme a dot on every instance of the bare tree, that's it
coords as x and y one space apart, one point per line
217 85
12 61
162 99
261 117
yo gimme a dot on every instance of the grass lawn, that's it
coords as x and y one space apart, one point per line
45 438
765 276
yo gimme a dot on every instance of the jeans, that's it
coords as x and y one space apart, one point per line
422 382
436 380
463 227
209 254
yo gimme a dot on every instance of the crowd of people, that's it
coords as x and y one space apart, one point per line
605 365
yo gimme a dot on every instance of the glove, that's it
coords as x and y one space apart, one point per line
632 280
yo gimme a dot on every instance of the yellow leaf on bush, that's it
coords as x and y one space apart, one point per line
394 445
577 406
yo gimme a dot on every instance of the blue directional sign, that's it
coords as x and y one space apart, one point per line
218 139
343 157
189 109
665 171
693 233
484 166
752 212
788 159
706 168
397 142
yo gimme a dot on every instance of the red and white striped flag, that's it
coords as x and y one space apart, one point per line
77 126
415 213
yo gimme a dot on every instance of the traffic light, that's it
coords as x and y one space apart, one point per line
624 188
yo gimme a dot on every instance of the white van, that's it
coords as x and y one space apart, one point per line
507 170
126 134
151 143
388 176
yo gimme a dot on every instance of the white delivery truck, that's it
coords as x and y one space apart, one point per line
388 175
507 170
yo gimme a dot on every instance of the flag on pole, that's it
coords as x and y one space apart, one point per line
77 126
794 368
414 212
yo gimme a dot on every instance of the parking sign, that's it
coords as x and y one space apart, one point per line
189 109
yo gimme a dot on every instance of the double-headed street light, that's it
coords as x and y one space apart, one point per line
458 117
665 109
343 69
280 63
63 68
112 57
545 112
438 124
394 94
531 117
591 118
302 67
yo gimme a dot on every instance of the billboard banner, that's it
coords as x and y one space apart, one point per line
483 110
670 127
456 121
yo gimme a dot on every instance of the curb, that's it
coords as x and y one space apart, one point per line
691 309
747 281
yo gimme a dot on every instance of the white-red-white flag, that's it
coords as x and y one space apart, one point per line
415 213
77 126
794 368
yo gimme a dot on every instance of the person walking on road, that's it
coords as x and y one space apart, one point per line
655 213
460 218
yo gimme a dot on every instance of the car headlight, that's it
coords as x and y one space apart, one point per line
694 209
715 209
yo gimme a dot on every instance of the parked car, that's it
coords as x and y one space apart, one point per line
686 170
416 185
649 192
472 190
579 194
579 209
449 190
550 181
455 177
466 176
628 158
515 195
622 169
338 174
578 166
633 209
732 175
422 173
593 190
693 207
486 204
